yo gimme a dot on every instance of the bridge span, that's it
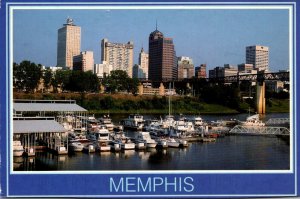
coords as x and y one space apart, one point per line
263 130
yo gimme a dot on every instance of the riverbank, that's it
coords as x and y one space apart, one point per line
126 103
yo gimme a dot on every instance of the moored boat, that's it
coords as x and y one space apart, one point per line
75 146
134 121
145 137
18 148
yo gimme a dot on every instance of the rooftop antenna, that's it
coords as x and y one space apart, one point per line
156 24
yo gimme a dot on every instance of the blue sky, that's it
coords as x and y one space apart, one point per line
214 37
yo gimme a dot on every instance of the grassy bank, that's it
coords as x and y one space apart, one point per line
278 106
126 103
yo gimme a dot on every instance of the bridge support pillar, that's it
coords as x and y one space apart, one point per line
161 89
260 98
140 89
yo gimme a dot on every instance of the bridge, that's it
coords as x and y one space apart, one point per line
264 130
278 121
260 78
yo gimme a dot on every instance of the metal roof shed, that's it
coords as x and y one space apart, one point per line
47 107
37 126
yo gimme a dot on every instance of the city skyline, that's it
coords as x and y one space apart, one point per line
212 37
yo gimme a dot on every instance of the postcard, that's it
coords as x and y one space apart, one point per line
149 99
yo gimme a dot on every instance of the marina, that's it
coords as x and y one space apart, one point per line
71 133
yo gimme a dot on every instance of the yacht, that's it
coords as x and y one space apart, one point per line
145 137
253 121
99 134
106 121
18 149
134 121
198 121
92 122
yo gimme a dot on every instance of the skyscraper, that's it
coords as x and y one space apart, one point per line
162 59
120 56
144 64
68 44
84 61
258 56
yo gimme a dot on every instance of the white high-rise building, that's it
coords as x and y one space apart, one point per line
120 56
68 44
143 64
258 56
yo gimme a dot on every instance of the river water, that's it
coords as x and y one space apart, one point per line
228 153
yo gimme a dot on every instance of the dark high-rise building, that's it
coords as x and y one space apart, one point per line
162 58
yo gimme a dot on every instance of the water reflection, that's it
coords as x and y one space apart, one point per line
229 153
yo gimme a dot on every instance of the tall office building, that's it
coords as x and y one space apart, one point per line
162 58
68 44
84 61
186 69
120 56
258 56
144 64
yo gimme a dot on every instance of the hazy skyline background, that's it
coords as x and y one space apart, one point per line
214 37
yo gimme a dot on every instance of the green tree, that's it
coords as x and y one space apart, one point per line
119 80
47 77
61 79
27 75
83 82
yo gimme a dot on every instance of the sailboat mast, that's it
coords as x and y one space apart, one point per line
170 99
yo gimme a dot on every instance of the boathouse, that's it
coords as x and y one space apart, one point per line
65 112
35 132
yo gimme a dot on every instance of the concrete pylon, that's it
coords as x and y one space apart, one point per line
260 98
140 89
161 89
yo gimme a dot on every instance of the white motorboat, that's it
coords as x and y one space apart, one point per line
18 148
134 121
198 121
75 146
99 134
146 138
92 122
126 142
106 121
173 143
253 121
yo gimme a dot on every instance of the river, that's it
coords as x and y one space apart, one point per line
228 153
